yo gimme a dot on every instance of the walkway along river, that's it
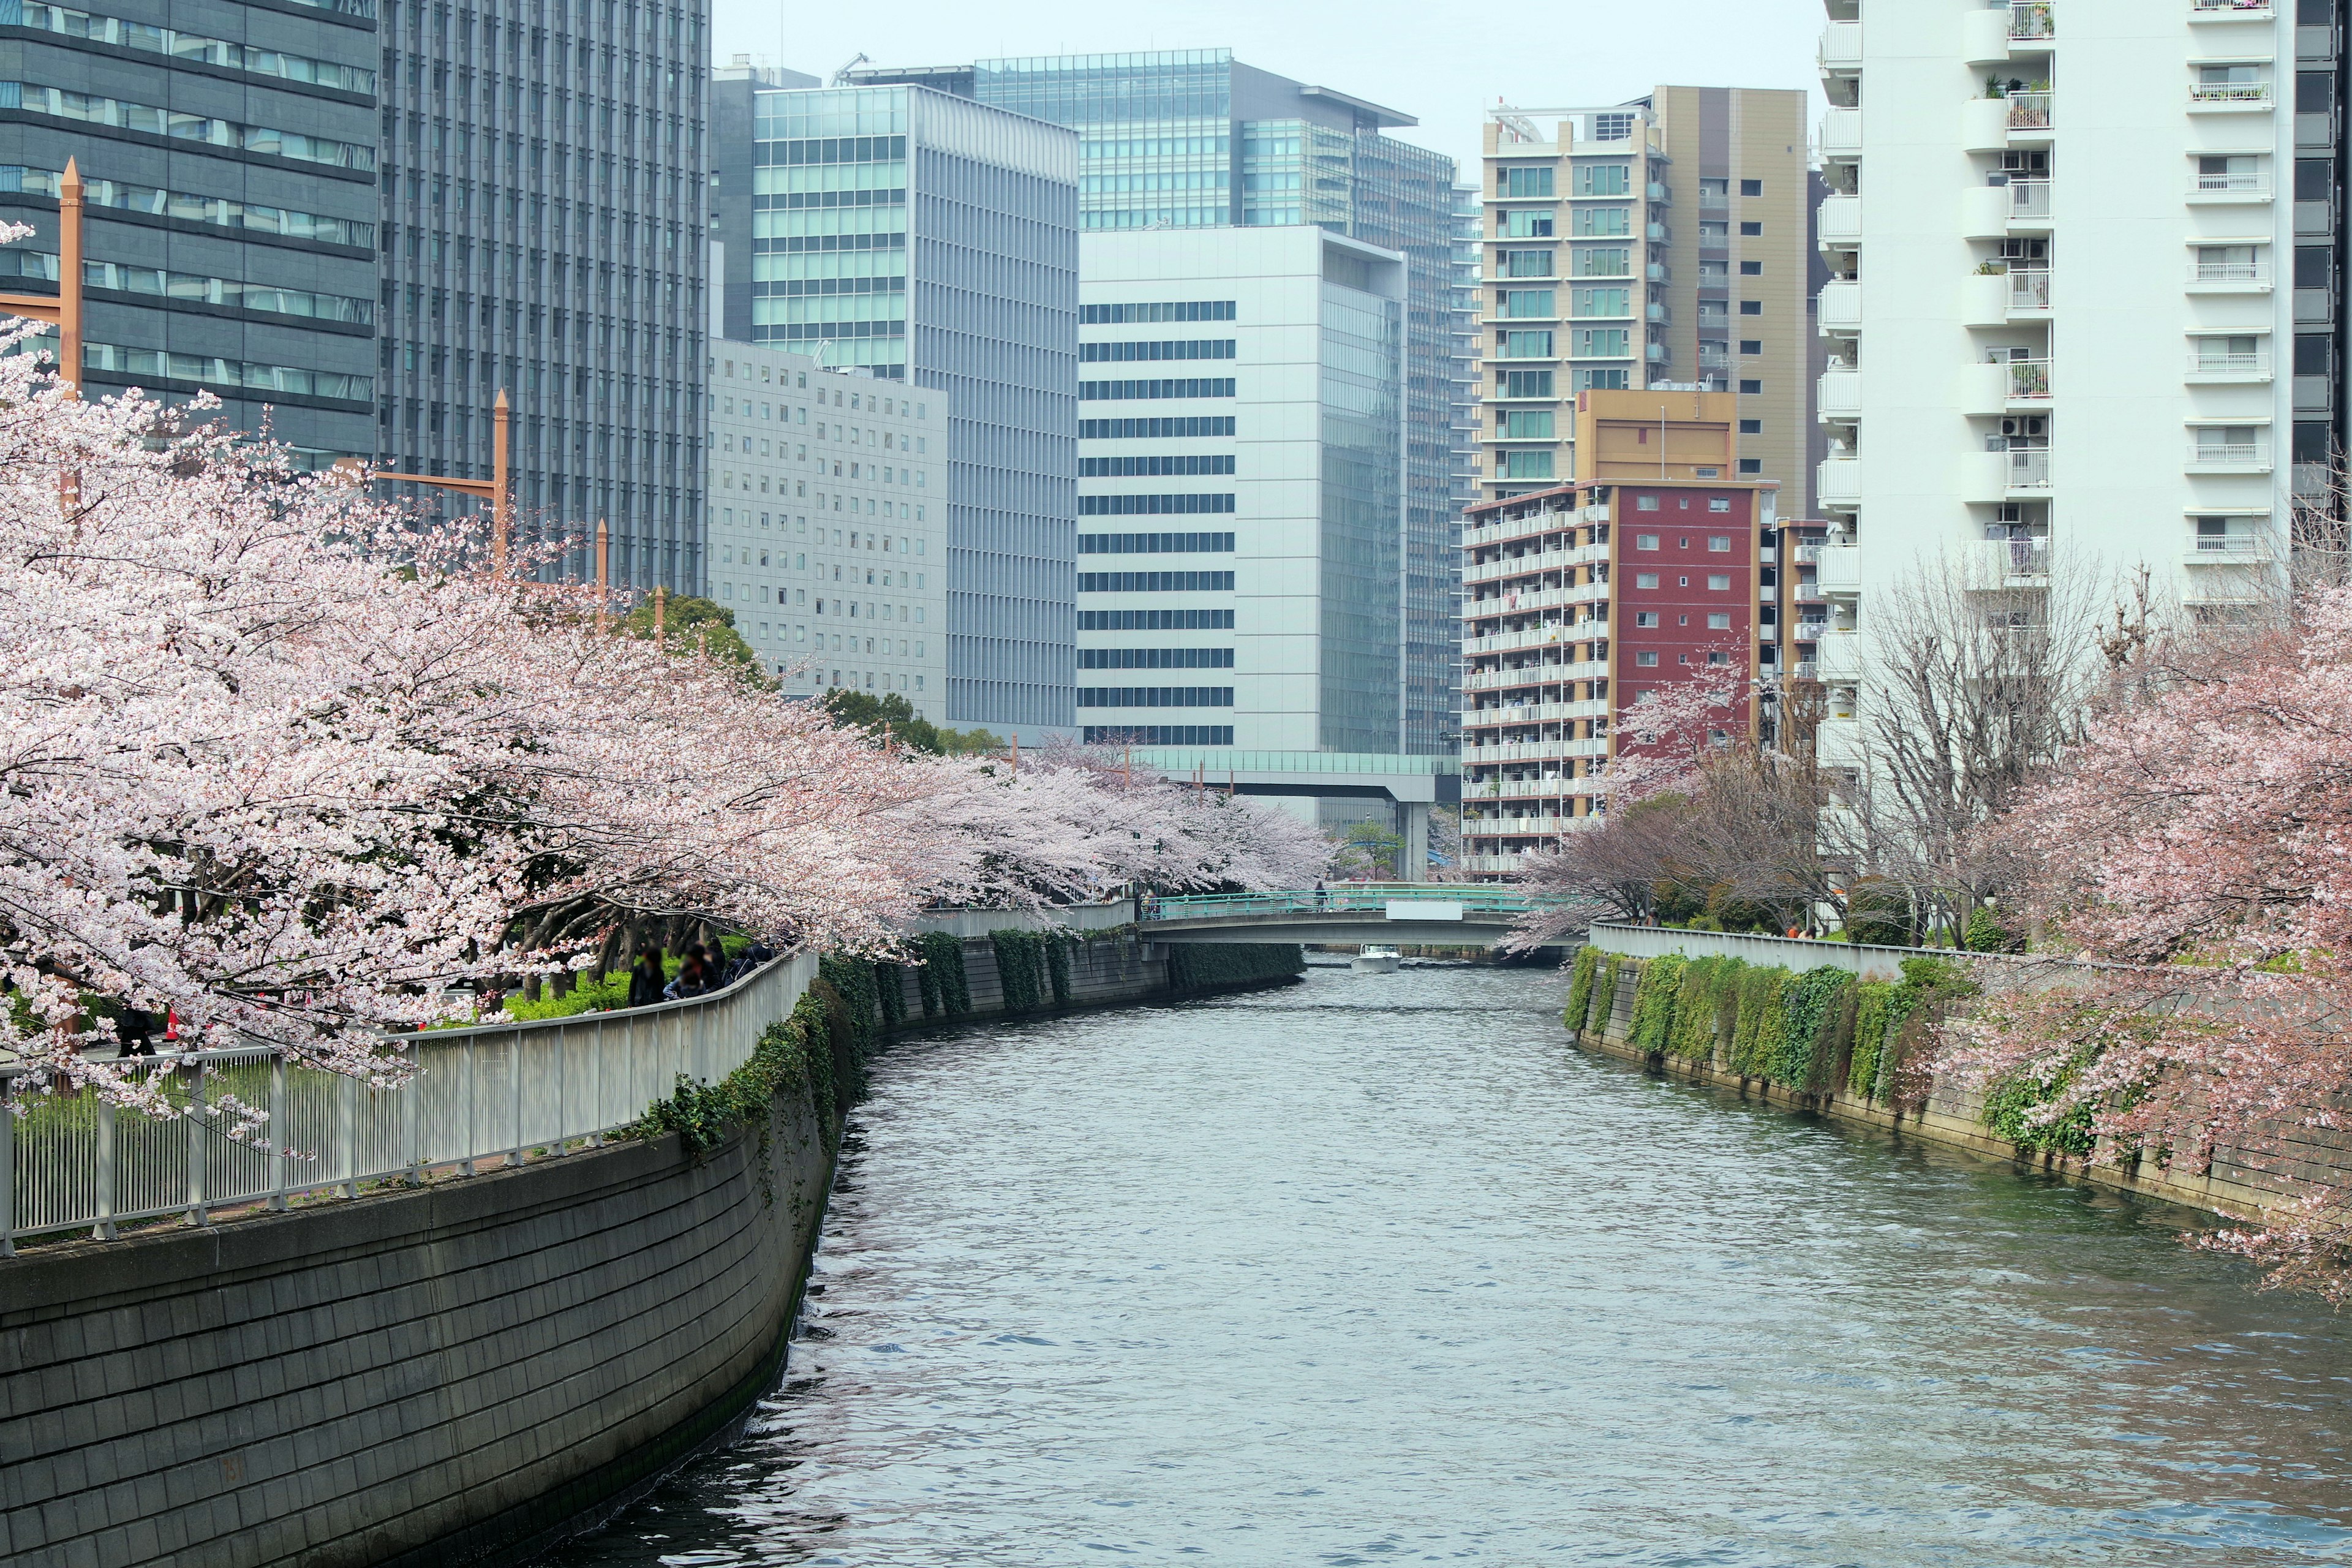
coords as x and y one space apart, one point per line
1378 1268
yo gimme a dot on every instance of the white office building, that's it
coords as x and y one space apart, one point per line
2087 262
1241 490
826 521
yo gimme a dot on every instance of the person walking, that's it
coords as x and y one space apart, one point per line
645 978
1322 895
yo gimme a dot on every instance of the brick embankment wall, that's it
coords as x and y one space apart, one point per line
1109 971
2238 1182
427 1376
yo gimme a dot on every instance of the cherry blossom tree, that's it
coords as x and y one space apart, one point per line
1665 736
2195 844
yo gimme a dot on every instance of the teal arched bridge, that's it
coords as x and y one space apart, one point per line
1399 914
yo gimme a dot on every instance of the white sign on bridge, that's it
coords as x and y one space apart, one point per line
1425 910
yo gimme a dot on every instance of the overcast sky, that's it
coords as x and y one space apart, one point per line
1442 63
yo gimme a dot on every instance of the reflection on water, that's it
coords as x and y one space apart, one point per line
1378 1268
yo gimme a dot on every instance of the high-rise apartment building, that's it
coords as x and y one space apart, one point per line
2088 297
828 522
1582 600
933 241
542 228
1194 139
1662 242
229 156
1240 492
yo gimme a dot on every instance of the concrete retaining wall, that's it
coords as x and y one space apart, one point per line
427 1375
424 1376
2237 1182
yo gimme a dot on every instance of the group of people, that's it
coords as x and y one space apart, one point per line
700 971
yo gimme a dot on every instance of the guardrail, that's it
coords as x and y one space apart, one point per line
1475 898
499 1093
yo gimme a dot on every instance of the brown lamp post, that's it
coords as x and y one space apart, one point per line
496 488
63 311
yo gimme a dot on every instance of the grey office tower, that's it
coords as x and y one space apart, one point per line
927 239
1192 139
544 232
228 153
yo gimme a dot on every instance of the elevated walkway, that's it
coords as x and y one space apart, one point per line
1392 913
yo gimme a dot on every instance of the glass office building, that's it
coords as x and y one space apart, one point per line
1194 139
230 229
921 237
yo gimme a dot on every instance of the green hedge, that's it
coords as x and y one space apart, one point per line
1194 965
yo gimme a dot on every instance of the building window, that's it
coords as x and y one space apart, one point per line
1603 180
1751 307
1645 540
1646 503
1645 618
1646 580
1751 427
1527 465
1719 503
1751 465
1525 222
1718 582
1751 269
1526 345
1527 425
1750 388
1528 182
1526 383
1605 222
1719 543
1751 187
1646 659
1751 345
1751 228
1720 621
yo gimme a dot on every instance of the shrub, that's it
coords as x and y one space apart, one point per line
1988 933
1879 912
1579 987
2011 1103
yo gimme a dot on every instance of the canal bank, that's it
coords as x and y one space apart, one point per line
454 1362
1380 1267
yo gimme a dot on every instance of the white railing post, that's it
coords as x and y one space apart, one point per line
196 1209
278 1130
347 1133
412 1124
104 1229
7 1167
562 1074
514 1057
466 1107
596 1089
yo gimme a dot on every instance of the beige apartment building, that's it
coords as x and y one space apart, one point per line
1665 242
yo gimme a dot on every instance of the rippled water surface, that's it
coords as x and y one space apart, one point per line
1379 1269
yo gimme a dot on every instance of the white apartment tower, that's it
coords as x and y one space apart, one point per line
2087 262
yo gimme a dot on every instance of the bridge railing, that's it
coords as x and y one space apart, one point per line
1473 899
500 1093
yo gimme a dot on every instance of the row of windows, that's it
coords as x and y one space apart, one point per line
193 286
1160 734
1153 467
217 211
1168 429
1155 620
1155 696
1155 659
1717 621
792 242
1648 659
1193 348
1717 583
793 201
1120 390
183 127
1155 582
1164 310
186 46
1152 505
212 371
1155 544
830 150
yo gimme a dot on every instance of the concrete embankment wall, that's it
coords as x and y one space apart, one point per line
424 1375
2236 1181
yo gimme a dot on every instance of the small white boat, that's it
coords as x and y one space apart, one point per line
1375 961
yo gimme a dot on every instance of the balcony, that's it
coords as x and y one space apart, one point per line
2230 550
1840 221
2231 11
1838 483
2250 186
1841 569
1839 656
2006 562
2029 204
2228 96
1839 394
1659 234
2033 22
1841 133
2229 277
2214 454
2214 366
1840 52
2025 380
1840 307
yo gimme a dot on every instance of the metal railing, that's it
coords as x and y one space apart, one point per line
2031 110
500 1094
2252 94
1351 897
2032 19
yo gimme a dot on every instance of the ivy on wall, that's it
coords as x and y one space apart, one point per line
1192 965
946 990
1580 986
1020 967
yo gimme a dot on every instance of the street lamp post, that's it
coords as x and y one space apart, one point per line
64 311
496 488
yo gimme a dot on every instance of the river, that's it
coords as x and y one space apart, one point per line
1379 1269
